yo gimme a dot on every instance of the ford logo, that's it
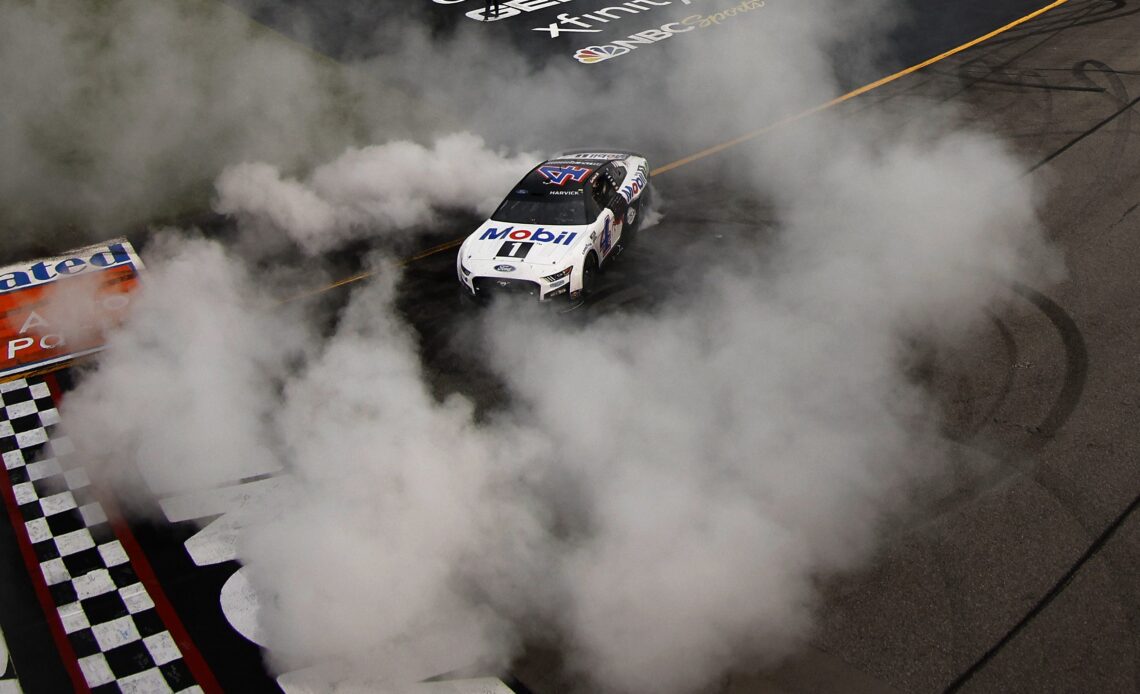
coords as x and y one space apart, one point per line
505 268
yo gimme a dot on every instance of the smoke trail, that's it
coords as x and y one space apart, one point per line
387 189
712 461
664 491
123 110
752 440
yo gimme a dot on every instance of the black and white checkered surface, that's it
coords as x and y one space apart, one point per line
119 639
9 684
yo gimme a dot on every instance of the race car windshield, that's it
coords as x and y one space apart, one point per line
569 211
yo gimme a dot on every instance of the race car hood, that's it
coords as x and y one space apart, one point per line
536 245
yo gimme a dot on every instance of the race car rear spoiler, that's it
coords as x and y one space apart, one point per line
599 154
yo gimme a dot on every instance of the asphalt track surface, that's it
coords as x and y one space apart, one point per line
1029 580
1027 577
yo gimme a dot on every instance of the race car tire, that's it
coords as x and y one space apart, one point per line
640 209
631 227
644 206
589 274
464 297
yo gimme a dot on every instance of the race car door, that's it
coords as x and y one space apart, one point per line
604 193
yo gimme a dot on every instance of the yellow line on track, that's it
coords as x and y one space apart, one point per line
852 94
675 164
715 149
369 273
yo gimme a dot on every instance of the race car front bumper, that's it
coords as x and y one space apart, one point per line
489 287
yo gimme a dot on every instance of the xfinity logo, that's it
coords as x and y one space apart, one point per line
603 52
587 23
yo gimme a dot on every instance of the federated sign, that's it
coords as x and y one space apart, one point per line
57 309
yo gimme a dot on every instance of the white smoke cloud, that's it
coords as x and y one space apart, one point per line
739 447
706 464
122 110
237 384
126 110
382 189
189 399
664 490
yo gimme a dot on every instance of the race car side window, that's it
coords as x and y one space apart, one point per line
604 188
600 191
592 207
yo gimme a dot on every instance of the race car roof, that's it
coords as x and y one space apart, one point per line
562 176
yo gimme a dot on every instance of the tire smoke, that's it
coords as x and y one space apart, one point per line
659 493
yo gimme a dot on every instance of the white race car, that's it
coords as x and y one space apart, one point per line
552 235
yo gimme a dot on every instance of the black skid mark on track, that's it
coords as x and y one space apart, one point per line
1006 387
1076 361
1119 93
1016 78
1124 216
1060 410
1030 84
1057 588
1017 35
991 57
1087 15
1073 382
1100 78
1076 371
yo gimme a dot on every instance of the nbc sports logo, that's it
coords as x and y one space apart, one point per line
596 54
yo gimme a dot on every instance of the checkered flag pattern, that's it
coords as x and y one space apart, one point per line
109 617
9 684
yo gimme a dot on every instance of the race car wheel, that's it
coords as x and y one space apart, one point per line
644 206
635 216
589 274
632 222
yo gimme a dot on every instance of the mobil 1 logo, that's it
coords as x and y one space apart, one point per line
514 249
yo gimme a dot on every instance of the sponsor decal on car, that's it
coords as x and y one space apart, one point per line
602 156
561 175
505 268
632 189
539 235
